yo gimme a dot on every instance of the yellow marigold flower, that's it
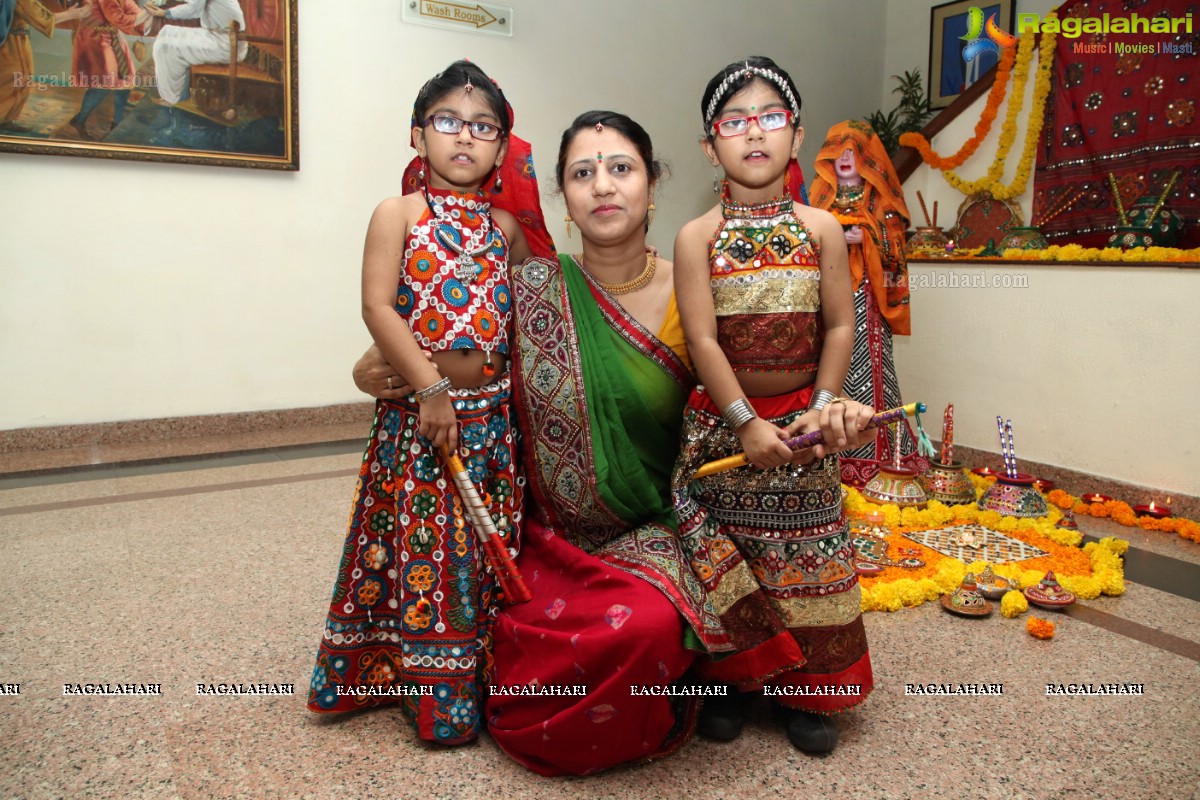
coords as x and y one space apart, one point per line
1013 604
1029 577
1114 545
1040 628
929 588
909 592
886 598
1111 583
1082 586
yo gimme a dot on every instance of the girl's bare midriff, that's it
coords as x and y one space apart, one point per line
464 368
768 384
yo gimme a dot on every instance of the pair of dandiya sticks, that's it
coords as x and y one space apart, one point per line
500 560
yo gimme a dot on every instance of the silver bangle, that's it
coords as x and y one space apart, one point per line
820 399
738 413
433 390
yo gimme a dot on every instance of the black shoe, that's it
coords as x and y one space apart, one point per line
721 717
80 126
15 127
812 733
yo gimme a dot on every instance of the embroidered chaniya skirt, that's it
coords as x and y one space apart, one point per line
413 607
773 551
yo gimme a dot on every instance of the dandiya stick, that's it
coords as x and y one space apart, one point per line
810 439
1011 450
924 210
947 454
498 559
1163 198
1003 445
1112 181
896 439
935 202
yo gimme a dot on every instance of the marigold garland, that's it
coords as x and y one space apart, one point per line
1040 628
982 127
1008 132
1123 513
1074 252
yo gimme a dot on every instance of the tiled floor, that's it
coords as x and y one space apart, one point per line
219 569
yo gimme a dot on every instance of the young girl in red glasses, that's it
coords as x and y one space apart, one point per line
763 287
411 617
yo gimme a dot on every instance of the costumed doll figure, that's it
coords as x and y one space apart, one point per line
763 288
413 605
858 184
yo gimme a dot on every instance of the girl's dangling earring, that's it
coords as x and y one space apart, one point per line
716 182
569 221
650 214
499 187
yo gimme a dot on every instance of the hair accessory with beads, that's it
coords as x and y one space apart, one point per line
769 75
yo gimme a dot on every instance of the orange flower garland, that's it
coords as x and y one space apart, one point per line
1040 628
982 128
1122 512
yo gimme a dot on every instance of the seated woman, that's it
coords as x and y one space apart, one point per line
600 378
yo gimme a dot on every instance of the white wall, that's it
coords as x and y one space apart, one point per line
1095 365
132 291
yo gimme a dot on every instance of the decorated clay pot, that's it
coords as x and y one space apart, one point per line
928 241
1068 521
1048 594
1128 237
897 485
948 483
1023 238
966 600
1166 225
991 585
1014 497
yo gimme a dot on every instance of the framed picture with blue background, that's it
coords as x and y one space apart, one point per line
959 51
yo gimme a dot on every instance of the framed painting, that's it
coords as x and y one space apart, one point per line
180 81
954 26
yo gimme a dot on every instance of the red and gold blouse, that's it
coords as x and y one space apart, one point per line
766 284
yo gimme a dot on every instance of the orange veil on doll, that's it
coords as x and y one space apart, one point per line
881 259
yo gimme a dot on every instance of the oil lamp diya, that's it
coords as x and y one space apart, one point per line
1049 594
966 600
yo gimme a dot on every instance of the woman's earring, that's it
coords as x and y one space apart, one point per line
569 221
499 187
650 214
716 182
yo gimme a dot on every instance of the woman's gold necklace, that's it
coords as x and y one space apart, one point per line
641 280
